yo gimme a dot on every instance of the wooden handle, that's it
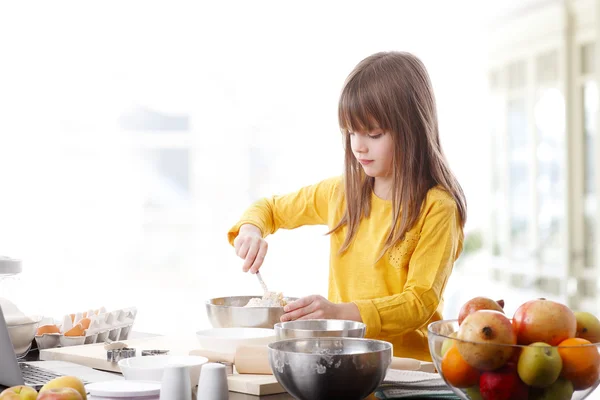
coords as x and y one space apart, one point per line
252 360
407 364
213 356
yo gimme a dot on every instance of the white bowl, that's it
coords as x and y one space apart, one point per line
151 368
22 331
226 340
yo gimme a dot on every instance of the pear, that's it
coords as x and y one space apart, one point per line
588 326
539 365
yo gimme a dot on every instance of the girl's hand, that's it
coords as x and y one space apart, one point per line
318 307
251 247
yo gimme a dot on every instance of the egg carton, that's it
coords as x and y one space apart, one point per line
104 327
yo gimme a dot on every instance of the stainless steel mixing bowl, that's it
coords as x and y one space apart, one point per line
330 368
319 328
229 312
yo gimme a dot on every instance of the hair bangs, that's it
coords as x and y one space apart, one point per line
361 109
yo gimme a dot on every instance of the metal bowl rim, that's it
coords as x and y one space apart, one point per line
361 326
388 345
209 302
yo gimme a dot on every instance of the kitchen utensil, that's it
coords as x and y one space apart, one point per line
176 383
330 368
262 283
255 360
229 312
213 382
319 328
22 331
247 359
116 355
226 340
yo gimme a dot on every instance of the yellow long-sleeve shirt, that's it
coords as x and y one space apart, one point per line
397 295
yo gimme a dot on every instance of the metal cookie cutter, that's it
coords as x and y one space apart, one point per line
114 355
154 352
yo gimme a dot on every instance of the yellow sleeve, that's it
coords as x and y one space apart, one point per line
439 246
307 206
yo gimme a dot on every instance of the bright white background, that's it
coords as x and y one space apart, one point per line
85 208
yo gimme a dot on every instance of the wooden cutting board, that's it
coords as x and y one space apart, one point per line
94 356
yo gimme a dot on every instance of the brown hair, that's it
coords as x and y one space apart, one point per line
392 91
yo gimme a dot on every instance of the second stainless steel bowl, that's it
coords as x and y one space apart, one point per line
319 328
229 312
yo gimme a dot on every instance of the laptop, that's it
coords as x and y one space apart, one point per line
37 373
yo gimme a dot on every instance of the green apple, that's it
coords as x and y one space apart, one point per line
474 393
562 389
447 343
588 326
539 365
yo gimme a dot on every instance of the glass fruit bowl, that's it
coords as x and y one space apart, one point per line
501 371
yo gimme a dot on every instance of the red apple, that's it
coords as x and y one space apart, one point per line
479 303
65 393
502 384
483 338
545 321
19 393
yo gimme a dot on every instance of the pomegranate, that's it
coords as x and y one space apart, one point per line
485 340
545 321
479 303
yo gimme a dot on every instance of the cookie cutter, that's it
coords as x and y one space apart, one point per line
154 352
115 355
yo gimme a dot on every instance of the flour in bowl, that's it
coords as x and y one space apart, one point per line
270 299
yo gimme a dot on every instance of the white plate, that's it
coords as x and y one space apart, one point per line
226 340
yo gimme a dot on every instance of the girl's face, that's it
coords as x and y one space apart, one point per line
374 151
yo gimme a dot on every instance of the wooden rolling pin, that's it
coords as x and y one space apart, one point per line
255 360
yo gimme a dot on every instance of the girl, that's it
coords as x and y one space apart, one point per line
395 218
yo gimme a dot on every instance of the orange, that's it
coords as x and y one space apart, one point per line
581 363
456 370
77 330
47 329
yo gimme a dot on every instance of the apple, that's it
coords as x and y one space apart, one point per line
545 321
20 392
479 303
65 393
588 326
66 382
562 389
539 365
473 393
502 384
448 342
480 334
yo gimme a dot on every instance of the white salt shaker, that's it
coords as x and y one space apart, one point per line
176 383
212 384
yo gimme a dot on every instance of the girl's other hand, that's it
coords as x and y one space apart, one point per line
318 307
251 247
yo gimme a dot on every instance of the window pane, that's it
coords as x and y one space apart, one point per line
590 102
546 66
549 114
516 75
588 59
519 177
